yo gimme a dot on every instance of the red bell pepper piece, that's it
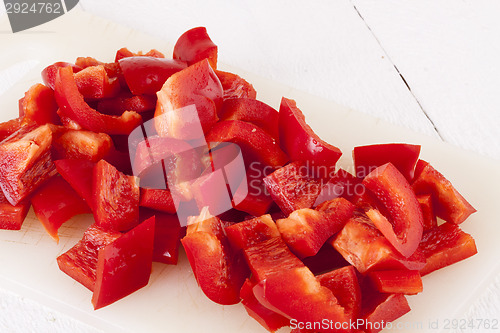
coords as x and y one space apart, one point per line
252 140
219 270
125 53
448 203
344 284
55 203
9 127
39 106
403 156
83 145
12 217
115 198
404 224
252 111
235 86
146 75
124 266
299 141
430 220
73 106
306 230
168 233
25 162
380 309
158 200
195 45
49 73
93 83
445 245
364 247
342 184
397 282
116 106
269 319
80 262
196 85
293 187
257 202
79 174
251 232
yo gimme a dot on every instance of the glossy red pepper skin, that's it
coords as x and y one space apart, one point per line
93 83
124 265
378 309
167 240
445 245
219 269
81 145
157 199
55 203
343 185
25 162
39 106
299 141
235 86
403 225
146 75
406 282
364 247
195 45
79 174
251 232
12 217
49 73
252 111
430 220
198 85
448 203
115 198
73 106
126 102
403 156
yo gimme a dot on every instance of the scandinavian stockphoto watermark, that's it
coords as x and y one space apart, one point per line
26 14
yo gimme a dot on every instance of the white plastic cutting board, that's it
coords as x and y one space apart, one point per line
172 302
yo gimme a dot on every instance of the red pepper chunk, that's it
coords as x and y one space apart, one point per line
93 83
12 217
158 200
10 127
73 106
55 203
448 203
430 220
445 245
404 224
124 265
39 106
379 309
80 144
195 45
79 174
49 73
299 141
219 270
235 86
115 198
406 282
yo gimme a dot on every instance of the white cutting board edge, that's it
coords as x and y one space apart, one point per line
33 271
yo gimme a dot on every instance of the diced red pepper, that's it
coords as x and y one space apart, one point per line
344 284
115 198
196 85
25 162
93 83
299 141
73 106
380 309
445 245
168 233
251 232
80 262
124 266
9 127
404 224
293 187
403 156
125 53
306 230
397 282
257 202
146 75
219 270
269 319
50 72
195 45
235 86
116 106
80 144
448 204
79 174
158 200
430 220
252 111
364 247
253 141
39 106
55 203
12 217
342 184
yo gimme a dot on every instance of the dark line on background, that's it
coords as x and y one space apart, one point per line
396 68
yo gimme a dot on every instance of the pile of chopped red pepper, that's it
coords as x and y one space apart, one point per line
306 245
